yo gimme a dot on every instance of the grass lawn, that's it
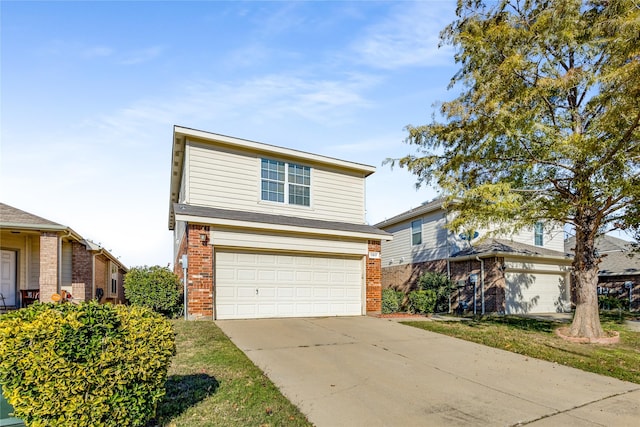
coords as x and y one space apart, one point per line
212 383
536 338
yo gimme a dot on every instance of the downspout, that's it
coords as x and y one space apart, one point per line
481 283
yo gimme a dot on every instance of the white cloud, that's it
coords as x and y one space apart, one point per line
408 37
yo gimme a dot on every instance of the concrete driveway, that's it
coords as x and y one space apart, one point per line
364 371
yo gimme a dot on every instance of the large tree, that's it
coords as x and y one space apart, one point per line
546 125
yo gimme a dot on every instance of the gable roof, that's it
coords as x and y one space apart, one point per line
241 218
618 258
11 217
502 247
413 213
181 134
17 219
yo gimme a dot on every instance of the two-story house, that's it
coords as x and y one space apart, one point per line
526 272
267 231
40 258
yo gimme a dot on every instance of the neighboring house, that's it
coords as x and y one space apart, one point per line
619 273
524 273
269 231
41 258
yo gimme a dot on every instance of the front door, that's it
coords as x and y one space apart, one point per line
8 277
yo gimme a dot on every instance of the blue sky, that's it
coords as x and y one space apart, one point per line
90 92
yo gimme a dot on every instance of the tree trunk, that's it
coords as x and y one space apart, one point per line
586 320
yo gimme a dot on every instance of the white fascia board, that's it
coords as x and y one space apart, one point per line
563 260
267 148
279 227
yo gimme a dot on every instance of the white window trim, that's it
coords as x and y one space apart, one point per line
536 234
412 233
286 184
110 276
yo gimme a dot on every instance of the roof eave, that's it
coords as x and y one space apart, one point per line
492 254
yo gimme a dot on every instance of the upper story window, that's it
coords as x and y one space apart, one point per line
538 234
416 232
285 181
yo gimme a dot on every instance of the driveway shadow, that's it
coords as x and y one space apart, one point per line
183 391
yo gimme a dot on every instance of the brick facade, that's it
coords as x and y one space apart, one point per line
615 286
405 278
494 285
48 266
81 273
200 271
374 279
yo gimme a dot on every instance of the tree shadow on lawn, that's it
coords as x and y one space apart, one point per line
183 391
524 323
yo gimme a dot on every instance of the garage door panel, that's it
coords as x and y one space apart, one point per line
290 286
530 292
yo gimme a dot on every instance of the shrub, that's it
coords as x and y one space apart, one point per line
84 365
157 288
422 301
441 285
391 301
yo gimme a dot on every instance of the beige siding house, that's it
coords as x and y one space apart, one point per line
527 272
267 231
40 258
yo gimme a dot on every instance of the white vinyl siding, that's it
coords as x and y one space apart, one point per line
434 244
262 285
227 179
552 238
270 241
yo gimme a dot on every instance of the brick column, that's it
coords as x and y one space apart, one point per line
374 279
48 266
81 269
199 273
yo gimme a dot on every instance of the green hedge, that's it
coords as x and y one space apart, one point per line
391 301
84 365
422 302
155 287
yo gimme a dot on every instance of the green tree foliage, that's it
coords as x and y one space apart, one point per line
84 365
441 285
546 126
157 288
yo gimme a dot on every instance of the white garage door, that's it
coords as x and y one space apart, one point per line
258 285
535 293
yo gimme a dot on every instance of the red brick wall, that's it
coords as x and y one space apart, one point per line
200 273
81 276
615 287
405 277
494 285
374 279
48 266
